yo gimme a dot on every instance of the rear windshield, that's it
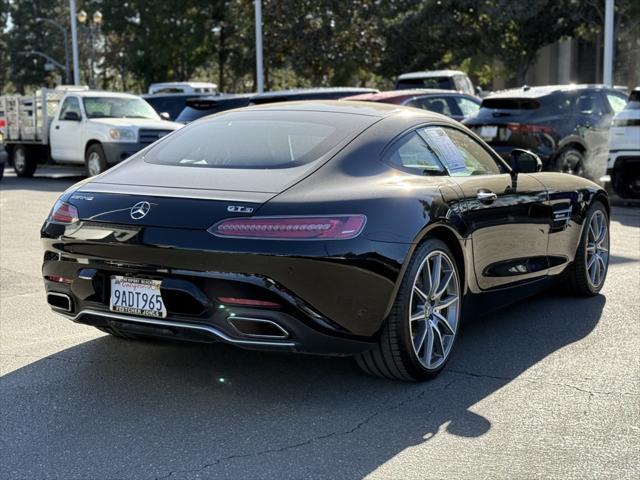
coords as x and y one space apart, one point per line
257 140
511 103
444 83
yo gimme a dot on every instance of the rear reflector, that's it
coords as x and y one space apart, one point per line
247 302
330 227
63 213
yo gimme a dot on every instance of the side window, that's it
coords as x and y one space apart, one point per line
70 105
461 154
589 104
433 104
466 106
617 101
412 154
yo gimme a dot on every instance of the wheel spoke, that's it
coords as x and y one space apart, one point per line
423 296
417 316
444 322
444 284
437 341
420 336
591 261
428 348
446 303
436 273
591 248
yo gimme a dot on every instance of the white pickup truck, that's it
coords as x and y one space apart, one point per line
74 125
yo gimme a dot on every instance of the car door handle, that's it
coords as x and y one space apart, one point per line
57 127
486 196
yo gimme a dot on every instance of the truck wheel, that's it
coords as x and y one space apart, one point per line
95 160
23 162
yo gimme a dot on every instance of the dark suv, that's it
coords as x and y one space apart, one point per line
567 126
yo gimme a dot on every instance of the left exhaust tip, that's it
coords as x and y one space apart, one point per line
59 301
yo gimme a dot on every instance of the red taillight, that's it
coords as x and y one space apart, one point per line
247 302
63 213
3 123
59 279
331 227
524 129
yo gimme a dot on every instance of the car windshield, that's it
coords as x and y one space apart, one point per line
118 107
256 140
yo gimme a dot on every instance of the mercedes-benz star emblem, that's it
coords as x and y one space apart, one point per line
140 210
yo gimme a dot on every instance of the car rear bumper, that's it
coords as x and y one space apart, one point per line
327 302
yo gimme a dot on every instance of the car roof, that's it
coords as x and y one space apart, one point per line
348 107
178 95
100 93
310 92
182 84
402 94
543 90
430 74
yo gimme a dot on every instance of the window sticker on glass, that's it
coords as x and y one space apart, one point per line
445 148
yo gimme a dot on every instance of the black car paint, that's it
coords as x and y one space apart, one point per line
335 295
570 127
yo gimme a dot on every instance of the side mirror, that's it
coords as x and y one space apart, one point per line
72 116
165 116
524 161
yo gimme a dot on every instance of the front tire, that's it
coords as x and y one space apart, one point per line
418 336
95 160
23 162
591 263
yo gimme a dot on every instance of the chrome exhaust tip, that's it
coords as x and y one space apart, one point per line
258 328
59 301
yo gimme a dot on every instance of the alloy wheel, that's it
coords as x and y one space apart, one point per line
19 160
597 258
434 309
93 164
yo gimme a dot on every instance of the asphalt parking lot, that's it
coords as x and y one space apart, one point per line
548 388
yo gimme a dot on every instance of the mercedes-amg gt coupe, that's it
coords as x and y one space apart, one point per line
338 228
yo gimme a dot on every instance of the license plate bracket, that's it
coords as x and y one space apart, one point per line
488 132
136 296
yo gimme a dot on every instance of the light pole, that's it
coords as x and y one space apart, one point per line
74 42
607 68
66 45
92 28
259 69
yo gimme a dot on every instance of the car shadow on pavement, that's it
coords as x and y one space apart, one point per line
45 183
111 408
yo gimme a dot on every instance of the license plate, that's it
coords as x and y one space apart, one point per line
137 296
488 132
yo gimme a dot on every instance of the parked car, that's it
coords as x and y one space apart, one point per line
3 160
321 227
565 125
452 104
74 125
623 166
169 105
440 79
199 107
183 87
209 105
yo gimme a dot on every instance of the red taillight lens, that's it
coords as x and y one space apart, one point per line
524 129
247 302
59 279
3 123
63 213
331 227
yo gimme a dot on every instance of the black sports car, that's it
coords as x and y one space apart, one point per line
346 228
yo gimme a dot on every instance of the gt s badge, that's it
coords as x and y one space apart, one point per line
239 209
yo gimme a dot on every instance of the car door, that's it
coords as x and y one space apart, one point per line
593 120
506 215
65 136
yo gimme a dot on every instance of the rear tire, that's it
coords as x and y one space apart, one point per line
418 336
23 162
95 160
570 160
589 270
